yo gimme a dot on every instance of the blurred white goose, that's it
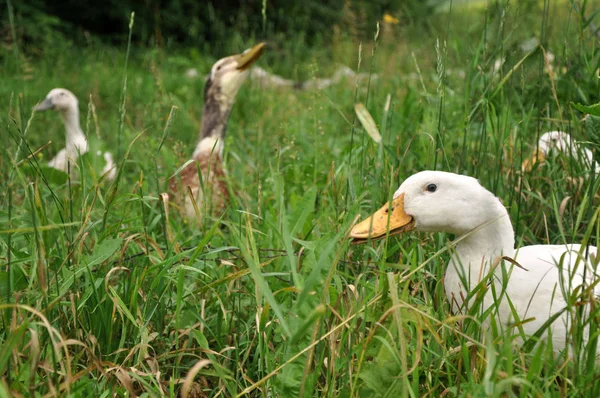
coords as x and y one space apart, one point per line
434 201
561 142
226 77
67 105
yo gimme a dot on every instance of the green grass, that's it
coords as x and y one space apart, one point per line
101 293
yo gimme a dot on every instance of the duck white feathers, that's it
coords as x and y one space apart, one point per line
539 287
562 142
211 194
66 104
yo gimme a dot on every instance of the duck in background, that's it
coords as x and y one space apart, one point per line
66 104
200 185
562 142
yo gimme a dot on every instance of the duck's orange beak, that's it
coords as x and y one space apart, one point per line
247 58
391 217
536 157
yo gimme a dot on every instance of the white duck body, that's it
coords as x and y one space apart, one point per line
559 141
67 105
551 274
433 201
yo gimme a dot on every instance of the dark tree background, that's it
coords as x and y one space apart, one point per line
164 22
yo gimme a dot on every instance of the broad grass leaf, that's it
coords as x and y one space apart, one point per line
52 175
367 122
121 305
103 251
19 282
200 339
11 342
593 110
305 207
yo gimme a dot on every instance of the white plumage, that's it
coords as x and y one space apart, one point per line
67 105
562 142
551 275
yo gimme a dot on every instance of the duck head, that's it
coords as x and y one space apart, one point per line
228 74
59 99
225 80
431 201
552 140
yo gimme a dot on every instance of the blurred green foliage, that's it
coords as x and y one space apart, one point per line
165 22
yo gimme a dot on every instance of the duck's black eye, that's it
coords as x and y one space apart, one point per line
431 188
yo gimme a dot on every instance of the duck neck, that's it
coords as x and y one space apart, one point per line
476 252
215 115
214 118
76 141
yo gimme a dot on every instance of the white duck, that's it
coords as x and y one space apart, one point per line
561 142
65 102
435 201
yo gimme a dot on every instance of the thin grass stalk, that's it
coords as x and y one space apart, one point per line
6 318
169 123
350 193
122 109
17 71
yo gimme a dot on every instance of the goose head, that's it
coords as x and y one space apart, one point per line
228 74
59 99
432 201
552 140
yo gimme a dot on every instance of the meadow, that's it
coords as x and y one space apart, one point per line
106 290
